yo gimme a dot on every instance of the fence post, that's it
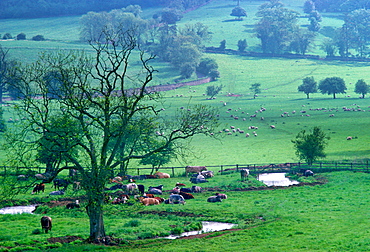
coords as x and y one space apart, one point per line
237 167
173 172
221 169
138 171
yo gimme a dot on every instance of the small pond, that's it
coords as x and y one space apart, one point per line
208 226
276 179
18 209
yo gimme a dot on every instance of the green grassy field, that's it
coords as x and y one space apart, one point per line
279 80
327 217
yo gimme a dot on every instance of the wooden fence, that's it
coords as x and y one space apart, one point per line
318 167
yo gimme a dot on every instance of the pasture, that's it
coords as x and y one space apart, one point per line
327 217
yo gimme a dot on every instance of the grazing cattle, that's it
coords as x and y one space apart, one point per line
184 189
154 191
159 199
308 173
60 183
56 193
148 195
221 195
214 199
22 178
38 188
180 184
244 173
116 180
199 179
194 169
176 199
131 188
40 176
46 224
115 187
186 195
207 174
73 205
349 138
141 189
149 201
162 175
160 187
76 185
176 190
196 189
119 200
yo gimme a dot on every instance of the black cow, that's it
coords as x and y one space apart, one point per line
46 224
60 183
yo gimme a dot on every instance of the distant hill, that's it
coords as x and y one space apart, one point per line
53 8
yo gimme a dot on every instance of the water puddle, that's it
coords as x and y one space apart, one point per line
276 179
208 226
18 209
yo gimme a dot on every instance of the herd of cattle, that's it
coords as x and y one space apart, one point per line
121 193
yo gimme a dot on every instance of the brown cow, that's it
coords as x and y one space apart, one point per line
162 175
194 169
38 188
149 201
46 223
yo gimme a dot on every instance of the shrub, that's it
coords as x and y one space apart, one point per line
38 38
21 36
7 36
133 223
36 231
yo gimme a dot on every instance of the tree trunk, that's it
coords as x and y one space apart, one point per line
95 213
334 96
308 96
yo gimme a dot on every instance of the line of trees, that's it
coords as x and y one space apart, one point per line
331 86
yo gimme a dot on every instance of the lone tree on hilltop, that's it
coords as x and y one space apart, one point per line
308 86
310 145
332 85
105 100
362 88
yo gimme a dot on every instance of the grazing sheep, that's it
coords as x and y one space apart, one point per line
349 138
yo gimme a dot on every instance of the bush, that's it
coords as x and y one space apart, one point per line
36 231
38 38
133 223
21 36
7 36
